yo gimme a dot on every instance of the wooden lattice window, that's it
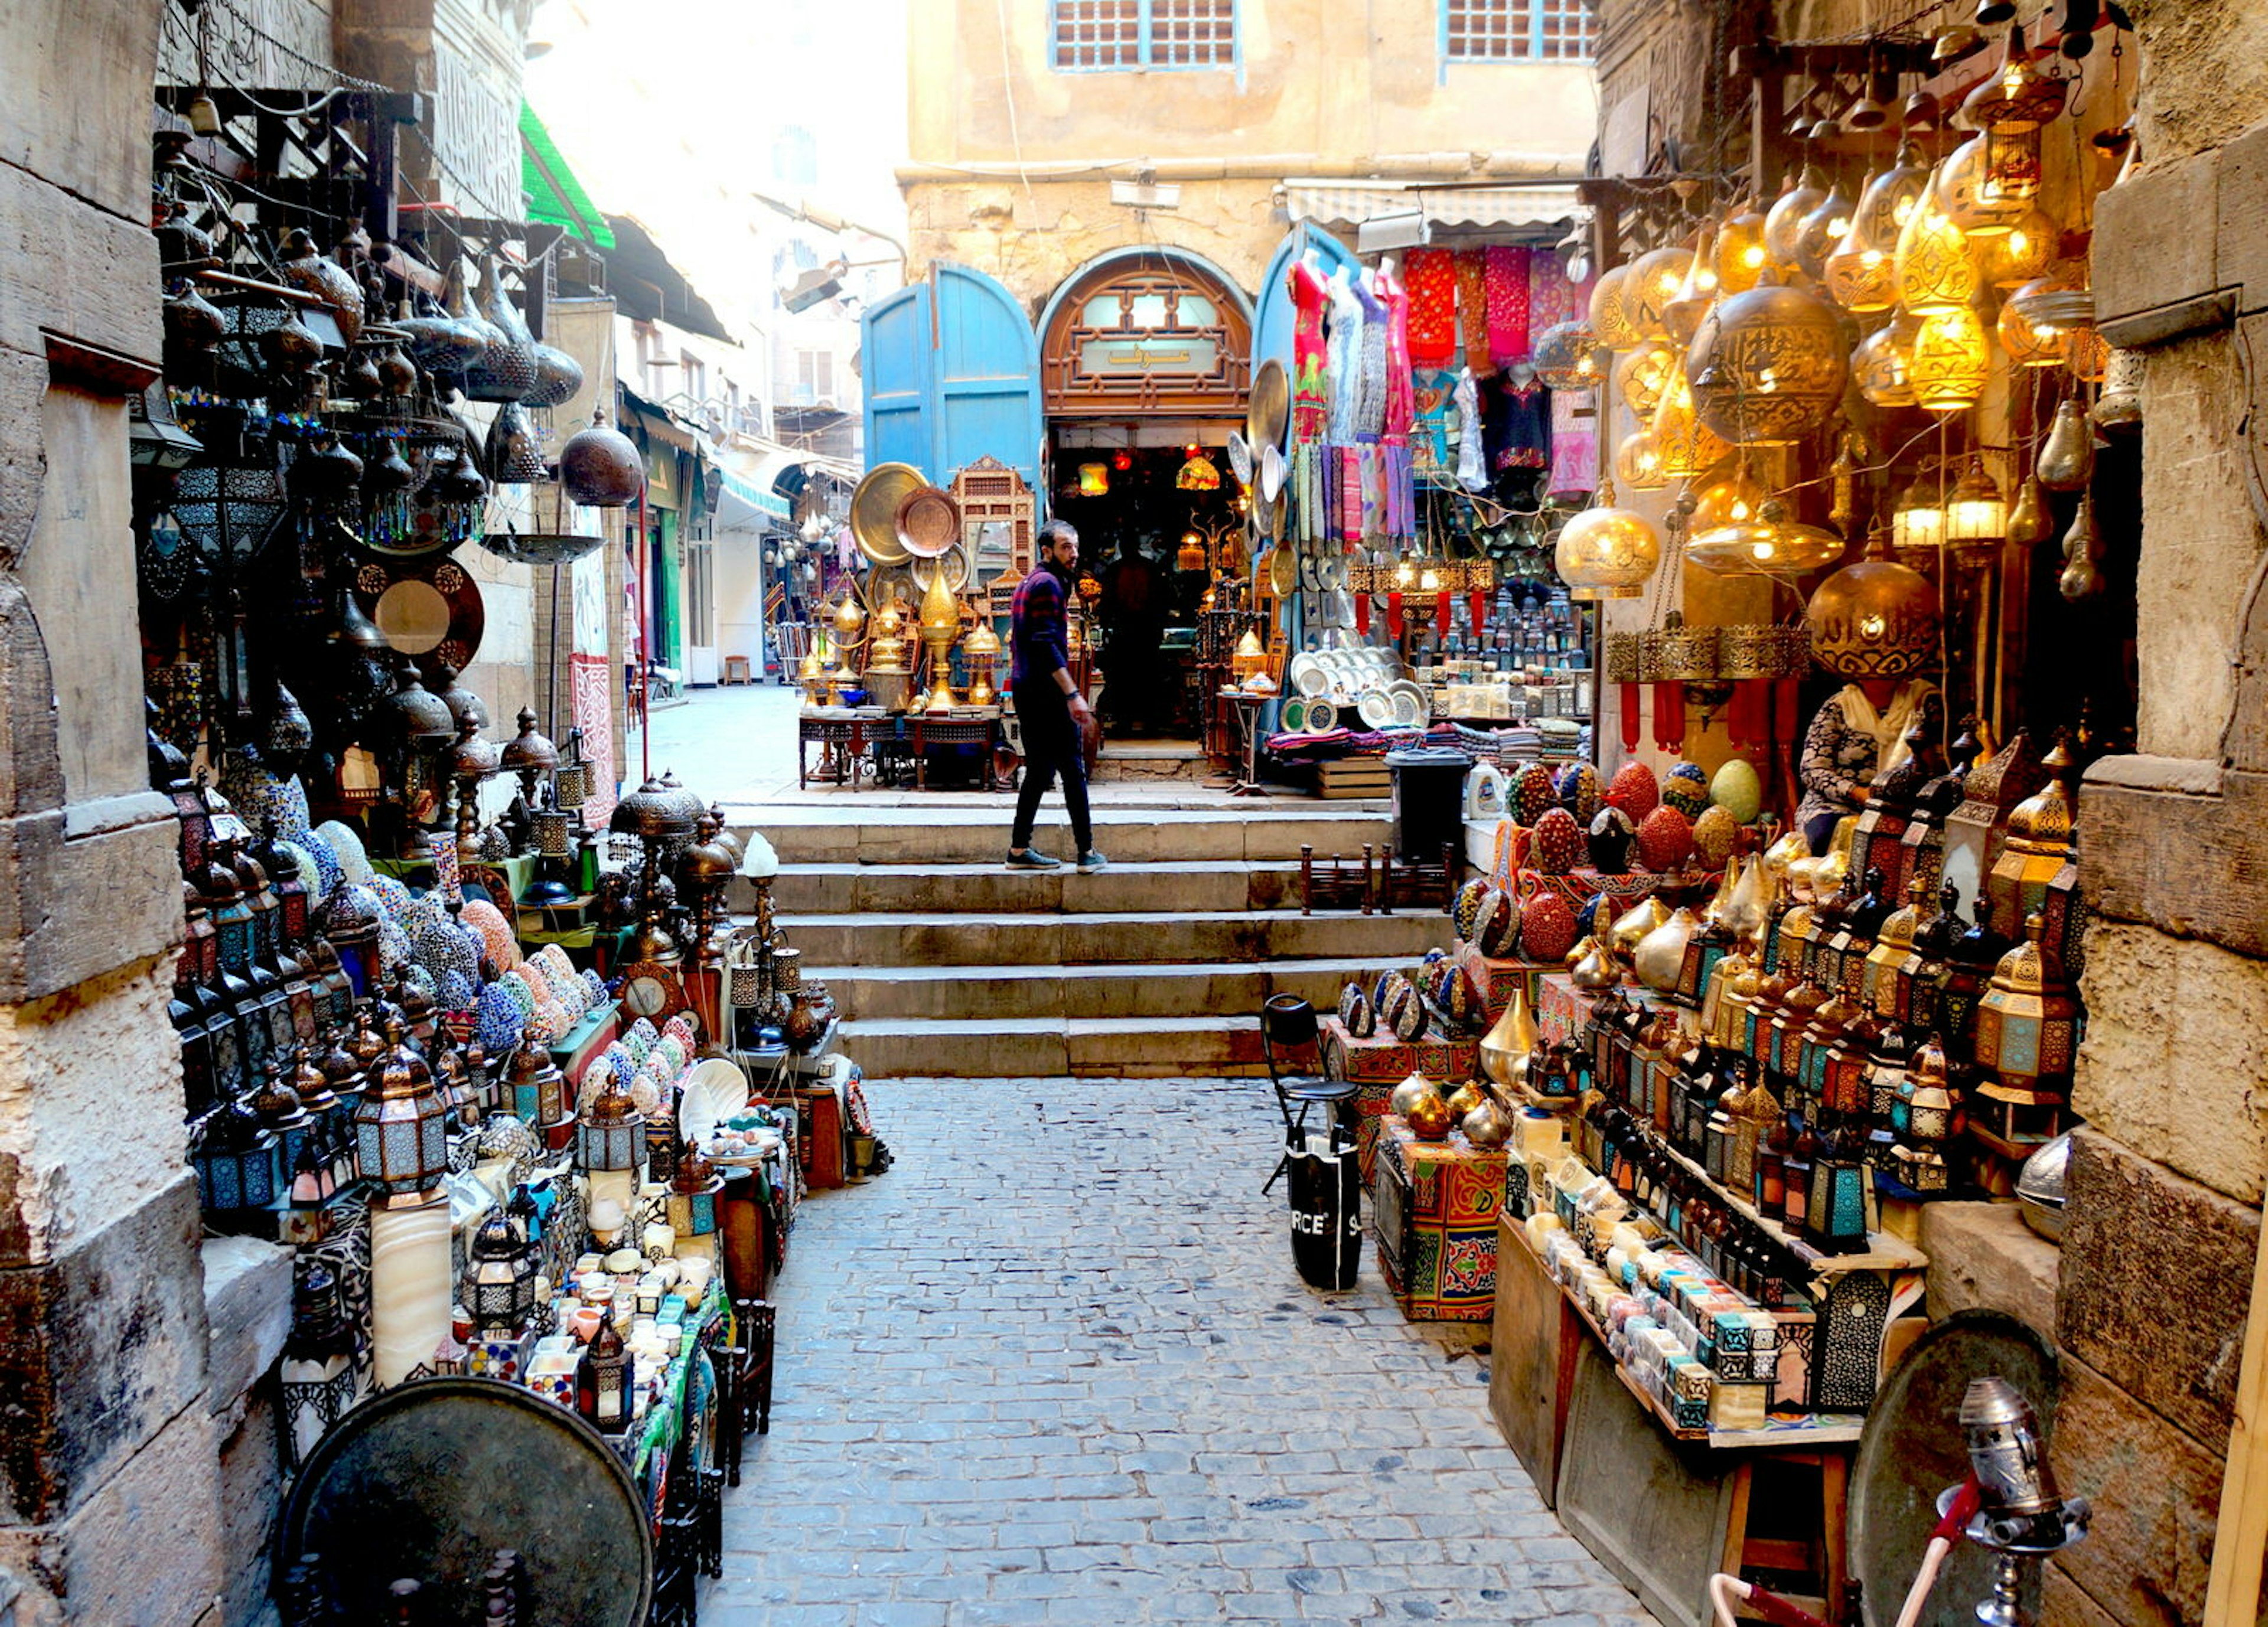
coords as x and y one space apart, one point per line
1155 338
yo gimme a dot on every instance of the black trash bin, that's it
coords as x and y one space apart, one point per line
1429 801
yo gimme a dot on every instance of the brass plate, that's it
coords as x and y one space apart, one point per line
874 506
1268 410
928 523
1283 571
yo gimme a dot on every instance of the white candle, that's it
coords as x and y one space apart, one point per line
409 1288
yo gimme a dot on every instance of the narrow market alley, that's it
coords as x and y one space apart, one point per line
1056 1366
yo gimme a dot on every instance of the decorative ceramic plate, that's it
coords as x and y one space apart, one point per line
1292 717
1309 675
428 609
1322 716
1376 707
1409 710
1272 472
714 1091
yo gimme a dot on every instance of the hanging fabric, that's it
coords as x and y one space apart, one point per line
1432 276
1506 290
1472 310
1551 298
1574 444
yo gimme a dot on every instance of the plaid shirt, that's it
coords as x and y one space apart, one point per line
1039 640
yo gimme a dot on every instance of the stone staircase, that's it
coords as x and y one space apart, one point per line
946 964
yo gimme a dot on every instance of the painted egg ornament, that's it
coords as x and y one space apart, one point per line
1558 842
1665 839
1686 789
1499 926
1737 789
1392 994
1460 999
1634 791
1466 911
1355 1014
1579 791
1597 916
1714 836
1547 928
1532 793
1611 834
1409 1016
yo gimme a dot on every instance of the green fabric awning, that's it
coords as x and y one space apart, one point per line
555 196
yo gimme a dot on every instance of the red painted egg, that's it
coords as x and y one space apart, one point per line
1634 791
1532 793
1558 842
1665 839
1547 928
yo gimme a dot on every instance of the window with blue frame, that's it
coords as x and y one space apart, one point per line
1516 31
1100 35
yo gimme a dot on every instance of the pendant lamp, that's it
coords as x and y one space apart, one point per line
1607 552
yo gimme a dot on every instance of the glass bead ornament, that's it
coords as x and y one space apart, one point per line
1606 551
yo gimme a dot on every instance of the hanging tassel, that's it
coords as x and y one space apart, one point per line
1477 602
1362 613
1631 709
1394 614
1669 715
1444 607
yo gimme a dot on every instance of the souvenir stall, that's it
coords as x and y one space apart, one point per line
457 1024
1438 417
907 654
1708 1040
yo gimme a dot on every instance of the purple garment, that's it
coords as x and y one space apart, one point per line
1039 637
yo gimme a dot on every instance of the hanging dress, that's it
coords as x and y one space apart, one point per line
1310 400
1344 464
1397 470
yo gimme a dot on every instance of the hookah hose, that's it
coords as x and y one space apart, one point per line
1958 1512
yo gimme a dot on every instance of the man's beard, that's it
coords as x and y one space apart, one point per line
1061 572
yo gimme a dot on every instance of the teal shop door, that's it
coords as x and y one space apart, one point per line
1272 313
953 375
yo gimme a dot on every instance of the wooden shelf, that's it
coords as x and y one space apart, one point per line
1883 1253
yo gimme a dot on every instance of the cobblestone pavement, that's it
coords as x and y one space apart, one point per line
1056 1366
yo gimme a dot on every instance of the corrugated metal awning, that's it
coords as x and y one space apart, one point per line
1352 203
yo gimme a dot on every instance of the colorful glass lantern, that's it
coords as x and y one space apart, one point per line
2040 843
693 1195
1767 366
538 1089
401 1142
1935 270
1607 552
237 1162
1952 361
603 1380
612 1133
1839 1210
2028 1023
500 1278
1095 480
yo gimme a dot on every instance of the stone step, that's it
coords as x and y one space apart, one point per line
1165 888
1152 760
972 993
1054 1047
985 940
961 835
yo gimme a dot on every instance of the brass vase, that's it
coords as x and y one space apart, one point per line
1506 1048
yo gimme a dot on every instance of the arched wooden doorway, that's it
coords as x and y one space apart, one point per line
1145 333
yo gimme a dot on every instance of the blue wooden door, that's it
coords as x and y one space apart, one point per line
951 375
1272 311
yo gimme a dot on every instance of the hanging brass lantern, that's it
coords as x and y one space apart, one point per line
1772 544
2009 107
2067 457
1567 357
1607 552
2082 549
1933 268
1975 510
1822 232
1610 319
1952 361
1767 366
2028 522
1882 365
1740 252
1684 444
2012 258
1655 280
1637 462
1861 273
1784 221
1873 618
1966 195
1640 374
1683 313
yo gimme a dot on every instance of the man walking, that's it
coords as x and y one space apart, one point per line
1050 709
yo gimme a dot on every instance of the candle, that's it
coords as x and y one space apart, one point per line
409 1288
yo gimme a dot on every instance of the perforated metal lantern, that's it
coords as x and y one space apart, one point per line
237 1163
537 1087
2028 1024
401 1141
499 1288
693 1195
612 1131
1768 366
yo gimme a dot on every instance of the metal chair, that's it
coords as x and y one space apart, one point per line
1289 1040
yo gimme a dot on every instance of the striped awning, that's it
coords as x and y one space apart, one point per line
1350 203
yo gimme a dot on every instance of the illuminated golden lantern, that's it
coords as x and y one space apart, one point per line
1767 366
1918 519
1730 497
2012 258
1567 357
1952 361
1610 319
1250 659
1607 552
983 649
941 626
2010 107
1965 194
1771 542
1976 511
2088 354
1873 618
1823 231
1685 445
1655 281
1933 268
1784 222
1640 374
1637 462
1740 252
2030 344
1882 364
1683 313
1861 273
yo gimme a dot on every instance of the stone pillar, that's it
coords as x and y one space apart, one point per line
102 1316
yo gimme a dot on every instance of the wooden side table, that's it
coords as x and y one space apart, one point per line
930 732
843 747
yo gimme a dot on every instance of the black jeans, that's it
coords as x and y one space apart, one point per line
1051 746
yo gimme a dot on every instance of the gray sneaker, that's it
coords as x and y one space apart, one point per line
1031 859
1090 861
